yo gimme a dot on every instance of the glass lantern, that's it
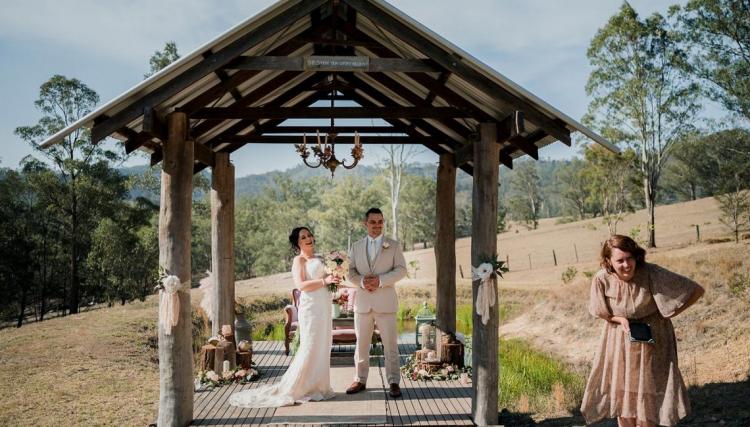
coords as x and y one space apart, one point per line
425 317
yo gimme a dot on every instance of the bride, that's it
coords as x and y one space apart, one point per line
308 376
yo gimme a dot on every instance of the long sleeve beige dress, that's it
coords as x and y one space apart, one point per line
635 379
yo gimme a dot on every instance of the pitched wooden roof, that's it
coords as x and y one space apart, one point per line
241 87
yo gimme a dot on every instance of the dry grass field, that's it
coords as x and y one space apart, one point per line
100 367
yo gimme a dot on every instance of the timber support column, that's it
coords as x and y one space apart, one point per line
222 242
445 244
176 349
484 244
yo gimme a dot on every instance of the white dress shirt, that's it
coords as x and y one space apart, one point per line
373 249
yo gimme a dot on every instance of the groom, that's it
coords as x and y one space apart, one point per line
376 263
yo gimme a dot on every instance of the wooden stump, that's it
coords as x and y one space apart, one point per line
420 355
245 359
212 358
452 353
230 338
208 356
229 353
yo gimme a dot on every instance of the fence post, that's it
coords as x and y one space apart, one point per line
507 261
575 248
698 232
554 257
529 261
461 270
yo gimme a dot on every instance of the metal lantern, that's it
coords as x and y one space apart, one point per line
425 317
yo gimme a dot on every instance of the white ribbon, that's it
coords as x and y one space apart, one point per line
169 302
486 293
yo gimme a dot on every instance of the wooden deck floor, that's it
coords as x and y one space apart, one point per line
422 403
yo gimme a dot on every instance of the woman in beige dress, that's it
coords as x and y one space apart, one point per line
637 382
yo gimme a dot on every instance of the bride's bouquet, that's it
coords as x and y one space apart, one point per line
337 265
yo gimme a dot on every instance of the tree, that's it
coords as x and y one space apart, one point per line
526 196
62 102
393 166
718 37
641 95
733 177
575 194
161 59
611 182
341 212
418 211
688 170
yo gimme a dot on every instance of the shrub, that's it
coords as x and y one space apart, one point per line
738 284
569 274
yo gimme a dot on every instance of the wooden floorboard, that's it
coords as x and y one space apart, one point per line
422 403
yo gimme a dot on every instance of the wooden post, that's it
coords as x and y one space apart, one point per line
222 242
176 350
445 244
507 261
529 261
484 244
697 232
575 248
554 257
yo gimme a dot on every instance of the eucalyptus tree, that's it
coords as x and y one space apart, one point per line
641 95
62 101
525 193
718 37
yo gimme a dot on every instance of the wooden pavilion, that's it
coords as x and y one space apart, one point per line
239 89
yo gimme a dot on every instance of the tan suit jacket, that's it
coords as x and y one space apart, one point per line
389 265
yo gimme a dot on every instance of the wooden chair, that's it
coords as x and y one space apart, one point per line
290 326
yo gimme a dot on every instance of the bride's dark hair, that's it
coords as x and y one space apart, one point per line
294 238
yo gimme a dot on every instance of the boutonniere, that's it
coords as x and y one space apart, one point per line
386 245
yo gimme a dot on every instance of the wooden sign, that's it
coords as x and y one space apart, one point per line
337 63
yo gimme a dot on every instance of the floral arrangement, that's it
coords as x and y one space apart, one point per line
337 265
489 265
340 298
206 380
446 372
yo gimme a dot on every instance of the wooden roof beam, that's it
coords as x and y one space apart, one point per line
311 139
205 67
310 130
332 63
407 95
456 66
228 113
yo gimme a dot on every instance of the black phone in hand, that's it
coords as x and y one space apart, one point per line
640 332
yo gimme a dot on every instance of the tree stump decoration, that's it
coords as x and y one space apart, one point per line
212 358
228 353
450 350
245 359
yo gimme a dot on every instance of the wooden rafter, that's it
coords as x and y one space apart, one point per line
203 68
426 46
331 63
254 113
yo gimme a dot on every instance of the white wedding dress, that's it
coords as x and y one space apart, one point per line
308 377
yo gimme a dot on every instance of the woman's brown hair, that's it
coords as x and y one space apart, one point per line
625 244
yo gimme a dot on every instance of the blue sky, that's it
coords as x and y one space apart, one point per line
539 44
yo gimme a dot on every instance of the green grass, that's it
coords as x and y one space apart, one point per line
271 332
529 380
532 381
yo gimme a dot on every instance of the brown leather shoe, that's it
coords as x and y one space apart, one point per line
395 390
356 387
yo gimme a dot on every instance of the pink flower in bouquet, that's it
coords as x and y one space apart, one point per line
337 265
241 373
212 376
227 375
